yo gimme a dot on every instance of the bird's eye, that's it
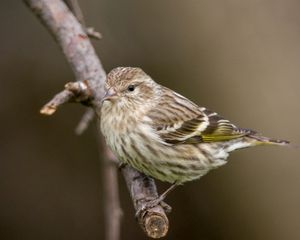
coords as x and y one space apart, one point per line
131 88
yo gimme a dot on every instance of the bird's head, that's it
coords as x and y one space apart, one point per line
128 86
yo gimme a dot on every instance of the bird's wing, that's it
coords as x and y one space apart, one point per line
178 120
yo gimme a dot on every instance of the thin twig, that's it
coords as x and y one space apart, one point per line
74 91
88 70
93 33
85 121
59 99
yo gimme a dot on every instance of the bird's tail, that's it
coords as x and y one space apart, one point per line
261 140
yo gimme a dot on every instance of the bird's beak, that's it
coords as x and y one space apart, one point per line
109 95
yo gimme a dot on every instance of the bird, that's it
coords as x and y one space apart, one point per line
165 135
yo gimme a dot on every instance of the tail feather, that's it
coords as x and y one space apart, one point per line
261 140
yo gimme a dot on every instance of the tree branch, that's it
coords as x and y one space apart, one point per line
113 211
89 90
142 189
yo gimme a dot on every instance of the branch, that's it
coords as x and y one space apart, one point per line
112 210
142 189
89 90
85 121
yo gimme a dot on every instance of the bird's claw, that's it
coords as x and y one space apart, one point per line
148 204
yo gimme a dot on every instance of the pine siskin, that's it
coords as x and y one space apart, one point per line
165 135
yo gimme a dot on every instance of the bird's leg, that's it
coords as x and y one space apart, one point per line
165 193
159 200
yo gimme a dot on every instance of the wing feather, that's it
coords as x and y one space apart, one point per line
178 120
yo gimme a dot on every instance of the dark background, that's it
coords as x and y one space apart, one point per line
239 58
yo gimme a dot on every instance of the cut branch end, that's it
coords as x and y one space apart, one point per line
48 110
156 224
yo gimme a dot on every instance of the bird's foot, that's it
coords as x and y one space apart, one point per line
147 204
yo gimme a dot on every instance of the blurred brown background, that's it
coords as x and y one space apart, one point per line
240 58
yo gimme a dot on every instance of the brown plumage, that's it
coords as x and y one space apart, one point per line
163 134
